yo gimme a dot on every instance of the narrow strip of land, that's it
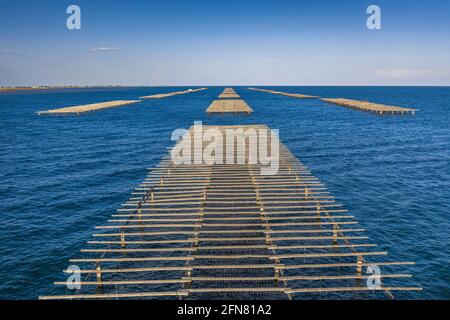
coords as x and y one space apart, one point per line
76 110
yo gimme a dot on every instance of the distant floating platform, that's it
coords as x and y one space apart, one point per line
76 110
171 94
229 93
229 106
370 107
225 95
287 94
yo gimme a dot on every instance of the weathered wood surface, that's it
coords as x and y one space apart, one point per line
225 95
370 106
229 106
76 110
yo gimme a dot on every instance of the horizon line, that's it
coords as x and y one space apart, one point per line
218 85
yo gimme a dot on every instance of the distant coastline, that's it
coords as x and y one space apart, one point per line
37 88
7 89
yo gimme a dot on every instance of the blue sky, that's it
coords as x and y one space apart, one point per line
246 42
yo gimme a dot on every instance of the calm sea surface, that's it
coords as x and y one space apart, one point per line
61 176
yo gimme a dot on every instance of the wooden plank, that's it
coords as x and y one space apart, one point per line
349 289
240 266
229 257
117 295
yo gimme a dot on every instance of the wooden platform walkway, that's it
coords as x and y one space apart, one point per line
76 110
171 94
214 231
287 94
229 93
370 107
229 106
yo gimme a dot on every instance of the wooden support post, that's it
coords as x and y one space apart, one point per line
196 241
202 211
262 212
99 276
335 234
277 274
359 264
122 240
268 240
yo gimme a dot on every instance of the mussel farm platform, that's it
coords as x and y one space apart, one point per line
229 106
224 231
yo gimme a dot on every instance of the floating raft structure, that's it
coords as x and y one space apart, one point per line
370 107
229 93
224 231
76 110
171 94
287 94
229 106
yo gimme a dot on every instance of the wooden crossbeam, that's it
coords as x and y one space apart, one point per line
240 231
240 266
185 293
232 279
222 247
271 247
218 225
233 219
229 257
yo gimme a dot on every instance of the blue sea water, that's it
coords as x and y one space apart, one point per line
61 176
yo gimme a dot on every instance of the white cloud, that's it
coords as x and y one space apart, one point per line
103 49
